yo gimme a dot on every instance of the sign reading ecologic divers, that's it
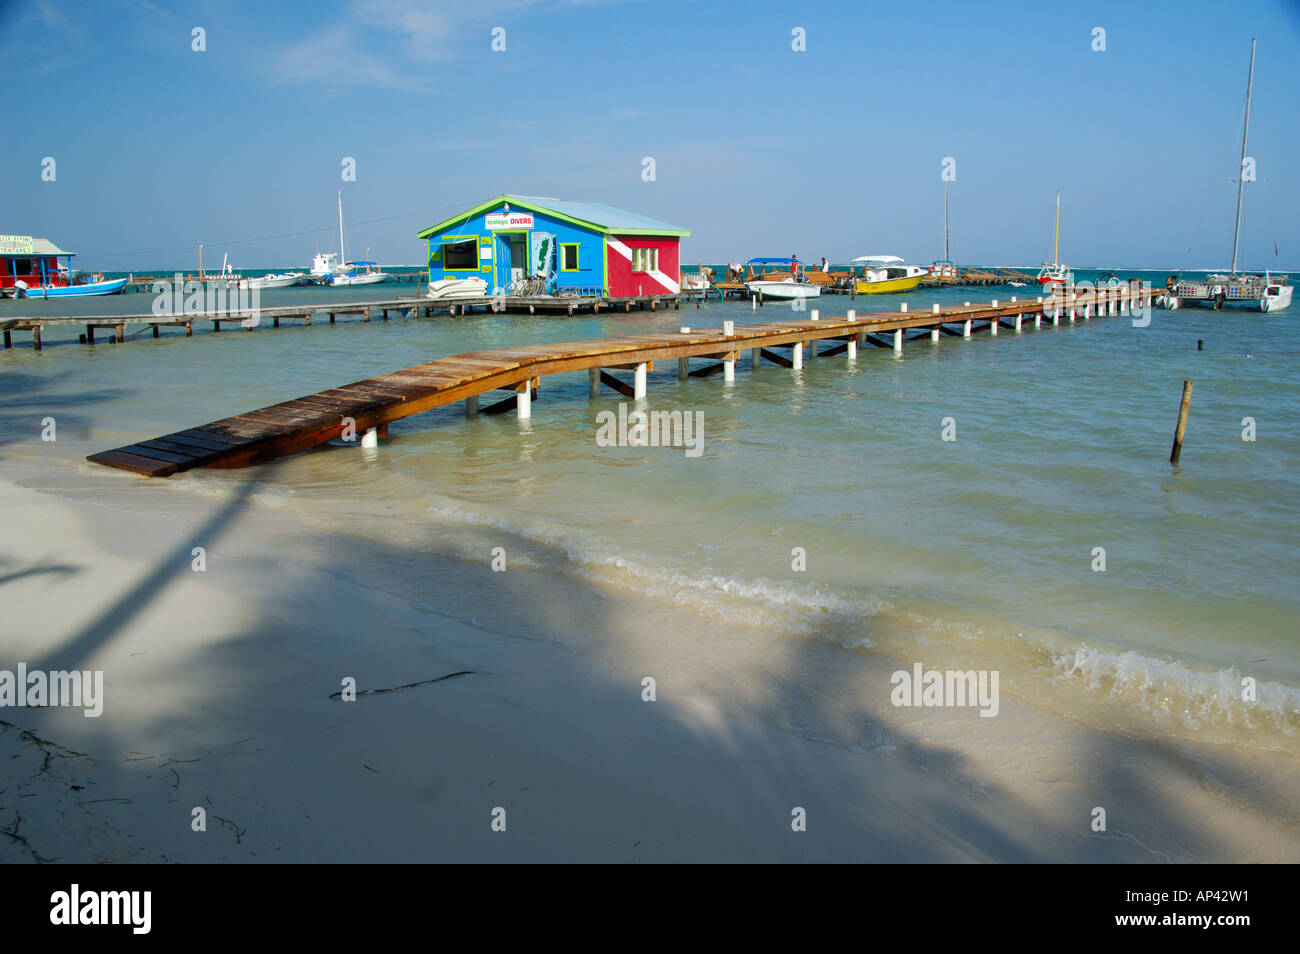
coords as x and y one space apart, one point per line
508 220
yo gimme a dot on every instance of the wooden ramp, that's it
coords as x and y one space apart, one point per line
286 428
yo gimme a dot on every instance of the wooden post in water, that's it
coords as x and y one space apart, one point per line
1181 429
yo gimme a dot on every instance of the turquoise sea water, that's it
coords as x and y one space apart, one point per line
973 553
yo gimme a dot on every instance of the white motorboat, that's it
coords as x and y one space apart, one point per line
1267 292
281 280
785 289
457 288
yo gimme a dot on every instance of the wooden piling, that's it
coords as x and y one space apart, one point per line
1181 429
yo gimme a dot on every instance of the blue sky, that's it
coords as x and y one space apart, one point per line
759 149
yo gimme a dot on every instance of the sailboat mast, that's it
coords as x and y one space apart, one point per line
342 254
1056 238
1241 177
946 256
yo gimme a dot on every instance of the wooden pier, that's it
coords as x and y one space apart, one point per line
366 408
250 320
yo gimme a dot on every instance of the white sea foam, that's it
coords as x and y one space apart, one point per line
1194 698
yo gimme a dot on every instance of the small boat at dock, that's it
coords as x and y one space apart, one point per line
1053 272
359 273
281 280
764 279
31 268
1267 292
785 289
886 274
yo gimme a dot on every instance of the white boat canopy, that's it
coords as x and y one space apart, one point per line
879 259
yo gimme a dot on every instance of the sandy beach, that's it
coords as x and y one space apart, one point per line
218 695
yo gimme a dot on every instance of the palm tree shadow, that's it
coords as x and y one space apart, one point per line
70 654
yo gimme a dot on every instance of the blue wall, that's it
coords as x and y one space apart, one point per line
591 251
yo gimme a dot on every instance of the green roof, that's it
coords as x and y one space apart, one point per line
592 215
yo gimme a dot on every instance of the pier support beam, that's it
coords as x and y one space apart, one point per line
8 339
593 380
755 358
965 328
524 401
993 326
370 439
1019 319
471 406
898 341
934 335
683 368
851 349
796 356
638 382
729 369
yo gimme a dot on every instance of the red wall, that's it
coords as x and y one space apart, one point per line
623 282
51 271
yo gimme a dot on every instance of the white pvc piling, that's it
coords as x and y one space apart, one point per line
796 356
524 402
370 438
638 382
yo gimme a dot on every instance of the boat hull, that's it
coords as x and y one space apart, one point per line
784 290
78 291
373 279
269 281
1267 304
888 286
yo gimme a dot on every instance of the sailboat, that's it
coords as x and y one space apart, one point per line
944 269
1054 273
343 272
1265 292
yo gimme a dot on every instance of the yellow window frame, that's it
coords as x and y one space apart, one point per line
577 256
